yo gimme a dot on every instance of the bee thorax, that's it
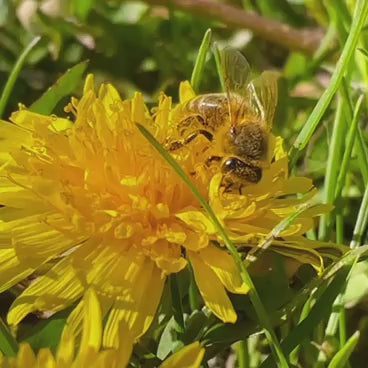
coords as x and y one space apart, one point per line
248 141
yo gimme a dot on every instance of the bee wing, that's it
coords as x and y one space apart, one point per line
262 96
235 72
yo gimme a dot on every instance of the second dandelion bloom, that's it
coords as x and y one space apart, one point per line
88 202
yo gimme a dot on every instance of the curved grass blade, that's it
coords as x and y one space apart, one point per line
14 74
332 168
176 304
64 86
200 62
320 310
349 147
361 146
342 356
8 345
218 66
360 16
253 294
256 252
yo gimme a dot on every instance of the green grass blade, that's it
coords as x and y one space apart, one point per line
332 168
319 311
294 355
319 283
64 86
358 232
14 74
253 294
362 155
220 73
8 345
360 16
176 303
361 222
242 354
349 147
342 356
254 254
361 148
197 73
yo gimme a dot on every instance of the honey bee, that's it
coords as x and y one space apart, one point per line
238 121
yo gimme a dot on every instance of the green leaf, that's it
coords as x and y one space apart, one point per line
195 324
82 8
228 333
363 51
46 334
64 86
8 345
342 356
168 338
357 287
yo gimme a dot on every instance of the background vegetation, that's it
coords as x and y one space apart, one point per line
320 49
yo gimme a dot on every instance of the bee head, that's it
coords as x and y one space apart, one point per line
241 170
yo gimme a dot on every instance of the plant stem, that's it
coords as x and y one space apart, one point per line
305 40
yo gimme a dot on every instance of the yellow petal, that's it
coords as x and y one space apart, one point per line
53 292
26 357
92 324
11 271
186 92
224 266
300 253
11 135
89 84
31 120
189 356
45 359
138 112
197 220
163 117
137 305
212 290
65 352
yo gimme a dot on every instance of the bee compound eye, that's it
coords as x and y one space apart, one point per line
230 165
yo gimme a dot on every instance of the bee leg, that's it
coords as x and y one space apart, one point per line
179 144
175 145
212 159
195 134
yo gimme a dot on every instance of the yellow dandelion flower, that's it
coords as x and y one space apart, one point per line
90 203
90 353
